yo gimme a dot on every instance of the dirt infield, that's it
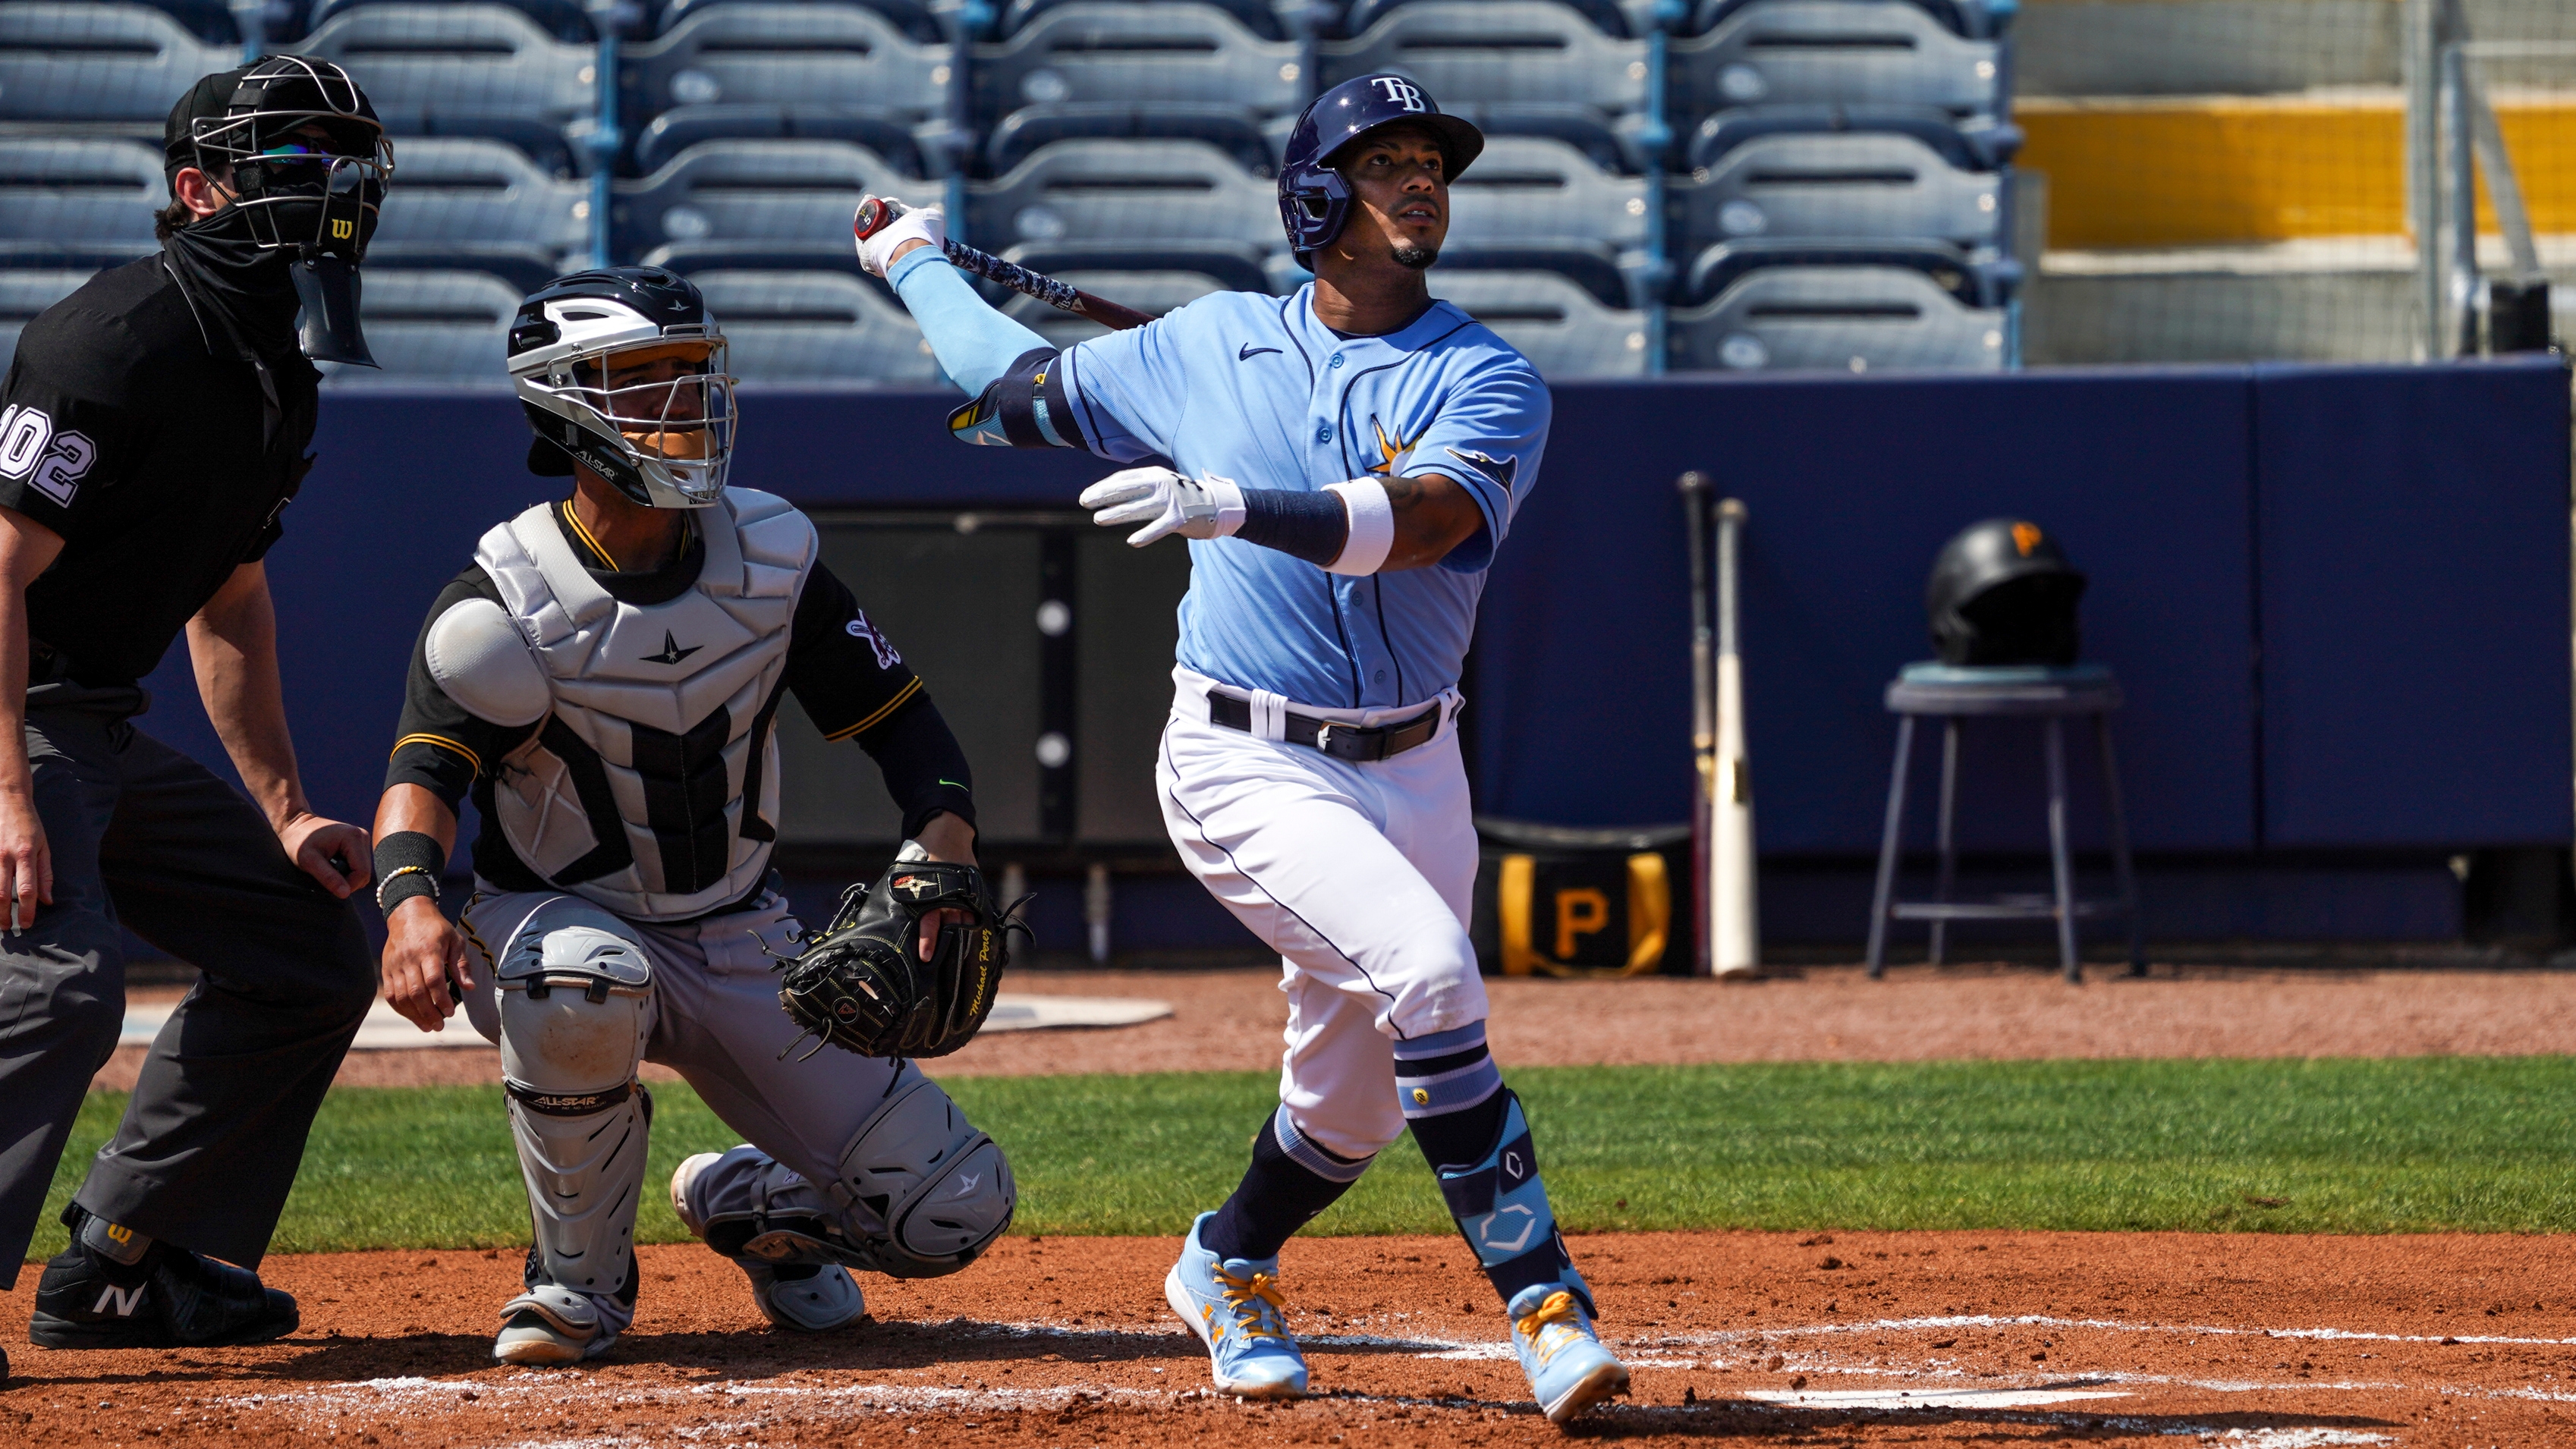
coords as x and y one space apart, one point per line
1856 1338
1230 1020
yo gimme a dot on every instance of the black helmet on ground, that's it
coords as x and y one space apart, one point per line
2003 592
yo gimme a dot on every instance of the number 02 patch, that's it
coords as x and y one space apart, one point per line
31 451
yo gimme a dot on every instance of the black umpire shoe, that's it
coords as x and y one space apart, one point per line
171 1298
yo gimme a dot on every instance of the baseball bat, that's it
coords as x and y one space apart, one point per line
1694 487
1735 928
876 213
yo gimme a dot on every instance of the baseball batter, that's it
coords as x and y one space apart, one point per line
1345 462
602 679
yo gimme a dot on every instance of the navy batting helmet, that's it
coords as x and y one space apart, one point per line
1314 199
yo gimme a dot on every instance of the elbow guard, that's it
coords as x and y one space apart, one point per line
1015 412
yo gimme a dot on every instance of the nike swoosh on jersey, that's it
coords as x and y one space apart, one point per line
1249 351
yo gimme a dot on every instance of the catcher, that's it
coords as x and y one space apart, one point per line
603 681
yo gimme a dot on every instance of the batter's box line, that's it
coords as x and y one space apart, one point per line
2108 1325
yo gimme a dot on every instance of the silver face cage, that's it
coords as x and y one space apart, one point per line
678 434
294 192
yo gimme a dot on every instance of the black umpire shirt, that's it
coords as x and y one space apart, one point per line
157 452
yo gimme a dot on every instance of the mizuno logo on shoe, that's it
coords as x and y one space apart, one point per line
125 1299
1248 351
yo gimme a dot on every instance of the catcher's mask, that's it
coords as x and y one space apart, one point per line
298 146
2003 592
623 371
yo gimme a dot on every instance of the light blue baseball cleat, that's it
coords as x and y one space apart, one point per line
1233 1306
1568 1368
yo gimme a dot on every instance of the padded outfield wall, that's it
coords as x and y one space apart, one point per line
2338 598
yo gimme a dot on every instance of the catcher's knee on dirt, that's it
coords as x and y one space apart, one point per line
574 1004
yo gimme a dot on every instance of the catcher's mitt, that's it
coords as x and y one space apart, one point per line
862 985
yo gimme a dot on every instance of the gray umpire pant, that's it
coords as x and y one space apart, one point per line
144 836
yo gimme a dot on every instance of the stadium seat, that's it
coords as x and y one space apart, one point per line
461 189
1603 15
1976 282
1834 52
691 258
1258 16
911 17
431 326
787 54
565 20
1235 267
1152 292
816 327
523 267
73 62
1231 129
69 190
213 21
1608 142
883 131
553 150
1598 270
1854 185
1132 53
759 191
478 58
1975 144
1087 191
1553 321
25 292
1839 319
1526 190
1492 52
1976 19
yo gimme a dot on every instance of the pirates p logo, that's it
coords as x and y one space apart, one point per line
343 229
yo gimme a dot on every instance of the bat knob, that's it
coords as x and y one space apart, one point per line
875 214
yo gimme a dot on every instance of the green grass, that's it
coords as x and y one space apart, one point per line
2433 1144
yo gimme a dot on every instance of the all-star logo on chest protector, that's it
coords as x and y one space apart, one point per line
652 787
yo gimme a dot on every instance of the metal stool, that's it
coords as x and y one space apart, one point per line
2049 695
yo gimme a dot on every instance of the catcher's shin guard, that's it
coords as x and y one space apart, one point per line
1501 1207
943 1187
574 1005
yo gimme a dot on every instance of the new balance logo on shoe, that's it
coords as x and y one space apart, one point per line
125 1299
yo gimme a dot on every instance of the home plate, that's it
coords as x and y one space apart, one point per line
1928 1398
385 1029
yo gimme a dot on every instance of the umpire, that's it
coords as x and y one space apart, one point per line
155 426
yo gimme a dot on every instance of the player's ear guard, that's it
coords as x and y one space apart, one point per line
1019 409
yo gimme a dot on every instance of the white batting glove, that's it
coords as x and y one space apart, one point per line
1166 503
920 223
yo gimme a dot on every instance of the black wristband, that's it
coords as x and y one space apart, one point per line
1312 526
403 885
408 863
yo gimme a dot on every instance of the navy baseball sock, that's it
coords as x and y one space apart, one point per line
1291 1179
1471 1128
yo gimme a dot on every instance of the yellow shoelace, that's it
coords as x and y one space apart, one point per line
1559 1309
1242 1294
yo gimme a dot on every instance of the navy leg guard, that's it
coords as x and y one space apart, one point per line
1502 1210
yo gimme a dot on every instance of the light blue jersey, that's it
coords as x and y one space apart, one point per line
1254 389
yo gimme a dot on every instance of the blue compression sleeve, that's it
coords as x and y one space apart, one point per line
1311 526
974 343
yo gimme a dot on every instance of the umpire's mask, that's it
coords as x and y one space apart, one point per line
307 163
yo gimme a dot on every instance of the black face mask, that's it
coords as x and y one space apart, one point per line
258 290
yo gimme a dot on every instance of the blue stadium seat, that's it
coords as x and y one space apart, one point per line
1975 282
25 292
816 327
75 62
1608 141
1496 52
759 191
691 258
1556 323
1838 319
211 21
883 131
432 326
1235 267
1598 270
1526 190
468 58
74 190
565 20
1258 16
1854 185
522 266
553 150
1603 15
911 17
1835 52
1975 19
787 54
452 189
1091 191
1231 129
1976 144
1125 54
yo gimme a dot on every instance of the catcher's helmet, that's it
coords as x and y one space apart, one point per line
664 439
1314 199
2002 592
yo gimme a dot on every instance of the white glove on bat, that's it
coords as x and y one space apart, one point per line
920 223
1166 503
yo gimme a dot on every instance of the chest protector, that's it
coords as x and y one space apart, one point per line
652 786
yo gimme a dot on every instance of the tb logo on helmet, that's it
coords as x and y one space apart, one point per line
1399 91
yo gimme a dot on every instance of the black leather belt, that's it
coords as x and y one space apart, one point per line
1341 741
